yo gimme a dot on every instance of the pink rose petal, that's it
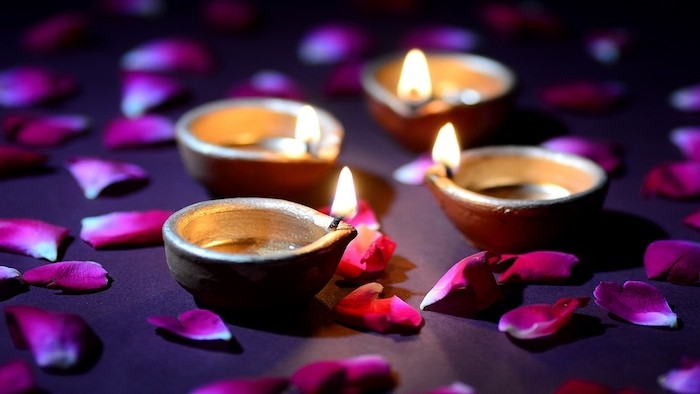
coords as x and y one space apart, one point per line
539 320
413 173
606 153
686 99
580 386
692 220
16 161
454 388
8 274
344 79
366 255
139 8
230 16
359 374
16 378
56 33
364 309
147 130
268 83
584 96
334 43
521 18
69 276
173 54
636 302
31 237
44 131
539 267
685 379
687 140
94 174
677 180
61 341
365 215
466 288
127 228
265 385
608 45
675 261
143 92
26 86
195 324
440 38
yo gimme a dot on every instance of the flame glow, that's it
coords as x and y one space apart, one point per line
414 81
446 149
307 128
345 201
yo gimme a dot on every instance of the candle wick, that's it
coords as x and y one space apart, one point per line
448 172
334 224
307 146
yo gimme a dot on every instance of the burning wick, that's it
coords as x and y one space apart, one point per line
345 201
307 129
446 150
414 85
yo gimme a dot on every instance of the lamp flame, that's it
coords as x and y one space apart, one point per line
446 150
307 128
414 81
345 201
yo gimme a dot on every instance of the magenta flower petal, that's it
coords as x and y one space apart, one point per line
16 378
359 374
692 220
364 309
25 86
94 175
584 96
15 161
685 379
539 320
413 173
366 255
686 99
467 287
365 215
687 140
140 8
56 33
334 43
69 276
195 324
636 302
677 180
539 267
454 388
8 273
147 130
130 228
265 385
580 386
175 54
268 83
606 153
608 45
676 261
344 79
44 131
440 38
143 92
522 18
61 341
229 16
31 237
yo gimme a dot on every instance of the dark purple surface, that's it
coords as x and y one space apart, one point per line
135 359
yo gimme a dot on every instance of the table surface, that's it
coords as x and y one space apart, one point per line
594 347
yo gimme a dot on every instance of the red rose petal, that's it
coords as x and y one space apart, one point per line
268 83
16 378
584 96
128 228
265 385
608 45
454 388
413 173
56 33
229 16
636 302
686 99
359 374
31 237
539 267
334 43
606 153
94 175
466 288
16 161
147 130
366 255
677 180
69 276
61 341
140 8
687 140
44 131
174 54
25 86
195 324
363 308
676 261
580 386
142 93
365 215
523 18
685 379
344 79
539 320
440 38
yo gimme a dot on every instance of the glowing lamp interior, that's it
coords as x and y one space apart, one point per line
345 201
307 128
446 149
414 81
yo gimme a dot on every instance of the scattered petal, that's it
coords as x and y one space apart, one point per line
366 255
413 173
677 180
94 175
16 378
130 228
44 131
344 79
520 19
334 43
56 33
69 276
440 38
8 273
365 215
636 302
25 86
466 288
585 96
580 386
57 340
142 93
454 388
539 267
174 54
265 385
147 130
693 220
16 161
363 308
606 153
268 83
687 140
140 8
608 45
195 324
229 16
539 320
359 374
685 379
675 261
686 99
31 237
